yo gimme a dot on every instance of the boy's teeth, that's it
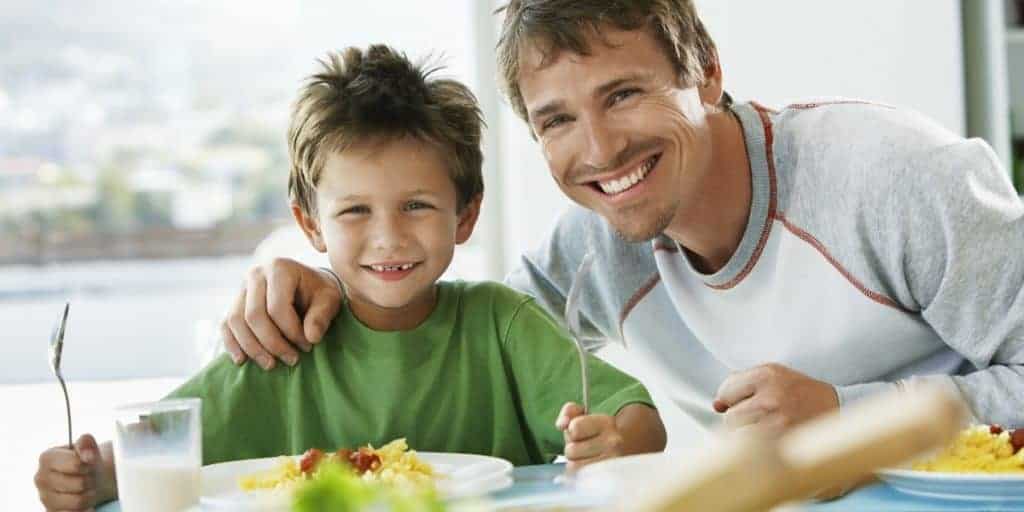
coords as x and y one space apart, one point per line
391 268
626 182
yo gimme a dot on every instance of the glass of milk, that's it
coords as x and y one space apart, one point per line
158 450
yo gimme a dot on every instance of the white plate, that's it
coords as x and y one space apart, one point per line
957 486
461 474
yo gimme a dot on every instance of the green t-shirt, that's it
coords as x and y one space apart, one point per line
487 372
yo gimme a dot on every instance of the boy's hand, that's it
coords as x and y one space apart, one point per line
588 438
284 304
72 480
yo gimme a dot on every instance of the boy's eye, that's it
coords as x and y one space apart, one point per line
621 95
355 210
417 205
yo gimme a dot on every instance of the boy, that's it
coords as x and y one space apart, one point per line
386 179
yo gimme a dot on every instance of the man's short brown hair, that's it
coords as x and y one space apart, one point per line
564 25
374 95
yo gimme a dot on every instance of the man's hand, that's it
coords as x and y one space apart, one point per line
284 304
771 398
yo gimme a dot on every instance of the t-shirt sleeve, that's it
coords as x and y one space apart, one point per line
241 410
545 367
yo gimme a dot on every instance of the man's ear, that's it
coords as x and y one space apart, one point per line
311 227
467 219
711 90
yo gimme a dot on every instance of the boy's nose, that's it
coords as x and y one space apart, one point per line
389 233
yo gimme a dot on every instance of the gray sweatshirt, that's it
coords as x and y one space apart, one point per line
881 251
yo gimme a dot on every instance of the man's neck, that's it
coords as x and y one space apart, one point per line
711 230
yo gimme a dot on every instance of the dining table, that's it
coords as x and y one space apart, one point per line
545 485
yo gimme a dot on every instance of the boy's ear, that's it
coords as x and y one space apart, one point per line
467 219
311 227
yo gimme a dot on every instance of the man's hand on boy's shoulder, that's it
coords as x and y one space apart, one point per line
591 438
284 306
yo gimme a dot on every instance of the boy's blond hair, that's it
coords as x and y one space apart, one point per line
564 25
374 95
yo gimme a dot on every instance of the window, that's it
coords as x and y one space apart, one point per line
142 161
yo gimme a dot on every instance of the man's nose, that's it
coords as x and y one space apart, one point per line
603 143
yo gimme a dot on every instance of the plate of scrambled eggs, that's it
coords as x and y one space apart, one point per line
984 462
267 484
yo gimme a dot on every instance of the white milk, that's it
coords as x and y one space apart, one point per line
157 484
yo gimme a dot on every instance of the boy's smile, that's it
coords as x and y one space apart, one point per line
386 216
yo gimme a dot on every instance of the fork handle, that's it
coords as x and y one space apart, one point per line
67 406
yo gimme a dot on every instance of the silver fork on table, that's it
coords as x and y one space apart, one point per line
56 348
572 319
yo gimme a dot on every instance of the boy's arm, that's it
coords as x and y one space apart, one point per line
641 429
546 374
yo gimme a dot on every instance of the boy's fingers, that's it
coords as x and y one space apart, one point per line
322 309
282 285
259 322
585 427
569 411
62 460
87 448
54 500
68 484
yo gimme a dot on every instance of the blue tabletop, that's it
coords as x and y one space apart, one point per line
536 485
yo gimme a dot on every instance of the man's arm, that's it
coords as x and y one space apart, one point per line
961 229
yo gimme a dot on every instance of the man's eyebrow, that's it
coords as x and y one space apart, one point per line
556 105
638 76
548 108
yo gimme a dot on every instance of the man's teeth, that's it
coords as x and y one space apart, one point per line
626 182
392 268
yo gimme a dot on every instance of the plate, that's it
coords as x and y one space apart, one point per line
464 475
957 486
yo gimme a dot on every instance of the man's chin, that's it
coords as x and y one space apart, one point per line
635 232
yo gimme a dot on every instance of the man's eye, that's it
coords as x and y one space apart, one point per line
554 121
621 95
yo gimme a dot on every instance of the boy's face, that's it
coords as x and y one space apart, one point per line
620 135
388 222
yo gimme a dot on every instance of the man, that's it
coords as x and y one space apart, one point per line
767 266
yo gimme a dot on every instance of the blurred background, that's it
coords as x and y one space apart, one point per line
143 164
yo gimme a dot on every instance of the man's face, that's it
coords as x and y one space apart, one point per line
621 136
387 219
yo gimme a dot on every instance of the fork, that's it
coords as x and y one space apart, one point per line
56 348
572 319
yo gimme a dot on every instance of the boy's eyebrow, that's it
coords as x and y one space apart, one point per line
601 90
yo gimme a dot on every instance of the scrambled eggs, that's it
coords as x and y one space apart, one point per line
980 449
392 464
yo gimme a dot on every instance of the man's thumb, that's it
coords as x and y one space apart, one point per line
322 310
87 449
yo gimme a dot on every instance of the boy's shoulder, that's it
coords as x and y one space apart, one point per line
501 298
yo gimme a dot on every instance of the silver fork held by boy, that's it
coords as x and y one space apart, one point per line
56 349
572 319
